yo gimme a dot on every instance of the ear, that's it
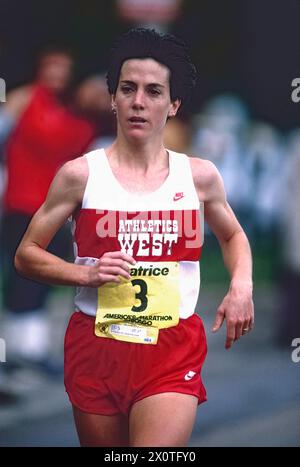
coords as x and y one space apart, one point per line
174 106
113 102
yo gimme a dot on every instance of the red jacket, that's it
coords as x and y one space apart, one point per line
46 136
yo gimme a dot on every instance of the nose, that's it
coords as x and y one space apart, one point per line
138 102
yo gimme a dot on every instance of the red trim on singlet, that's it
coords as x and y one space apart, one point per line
96 232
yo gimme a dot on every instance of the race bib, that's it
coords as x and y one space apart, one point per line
136 309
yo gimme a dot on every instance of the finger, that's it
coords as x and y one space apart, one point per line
122 263
248 324
218 321
252 322
239 330
251 315
246 327
120 255
108 278
112 262
116 271
230 334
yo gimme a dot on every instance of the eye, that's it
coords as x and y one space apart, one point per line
126 89
154 92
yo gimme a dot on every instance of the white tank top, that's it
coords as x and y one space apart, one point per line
164 225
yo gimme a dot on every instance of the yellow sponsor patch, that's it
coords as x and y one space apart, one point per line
136 309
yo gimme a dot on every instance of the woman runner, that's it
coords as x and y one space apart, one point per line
134 347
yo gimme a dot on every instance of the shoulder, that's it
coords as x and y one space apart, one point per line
18 99
207 179
74 172
202 169
70 181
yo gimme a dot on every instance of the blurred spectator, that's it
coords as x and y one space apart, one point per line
157 13
54 71
93 99
263 162
44 134
219 136
289 317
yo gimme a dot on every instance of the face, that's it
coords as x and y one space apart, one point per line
142 100
55 71
92 95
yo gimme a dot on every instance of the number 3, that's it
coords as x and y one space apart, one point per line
142 295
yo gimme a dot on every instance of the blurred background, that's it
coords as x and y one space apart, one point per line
243 117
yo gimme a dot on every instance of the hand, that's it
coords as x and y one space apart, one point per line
109 267
238 310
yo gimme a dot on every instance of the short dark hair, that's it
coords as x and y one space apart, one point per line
164 48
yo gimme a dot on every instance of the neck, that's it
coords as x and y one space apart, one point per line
138 157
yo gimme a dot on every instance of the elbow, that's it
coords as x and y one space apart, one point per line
19 262
237 234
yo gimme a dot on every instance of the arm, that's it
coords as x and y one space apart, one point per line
237 306
10 112
6 125
33 261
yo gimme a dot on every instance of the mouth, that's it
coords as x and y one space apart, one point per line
137 120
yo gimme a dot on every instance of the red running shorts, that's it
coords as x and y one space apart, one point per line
105 376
